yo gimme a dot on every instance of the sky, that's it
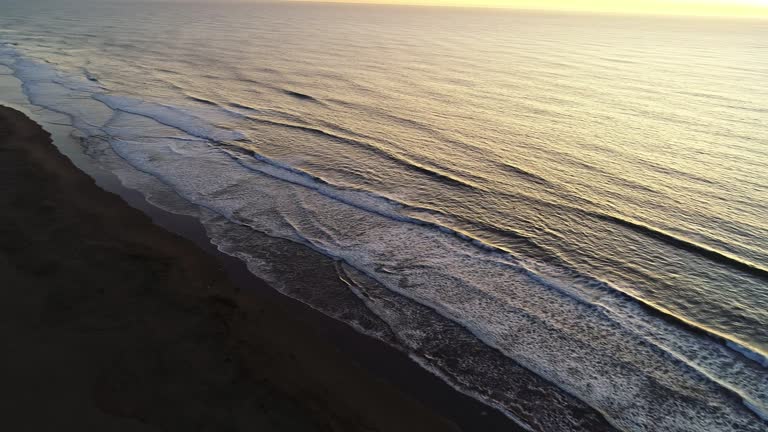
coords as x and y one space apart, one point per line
682 7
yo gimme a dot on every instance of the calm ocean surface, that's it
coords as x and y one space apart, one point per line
563 216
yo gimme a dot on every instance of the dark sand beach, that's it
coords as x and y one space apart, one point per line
110 322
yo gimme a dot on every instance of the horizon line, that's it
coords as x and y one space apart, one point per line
579 11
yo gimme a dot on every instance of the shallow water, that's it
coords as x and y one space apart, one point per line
567 206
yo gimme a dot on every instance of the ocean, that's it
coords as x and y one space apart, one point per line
564 216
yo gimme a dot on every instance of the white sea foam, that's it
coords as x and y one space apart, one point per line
197 124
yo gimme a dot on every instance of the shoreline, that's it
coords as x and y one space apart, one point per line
325 371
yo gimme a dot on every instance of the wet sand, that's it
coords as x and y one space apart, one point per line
110 322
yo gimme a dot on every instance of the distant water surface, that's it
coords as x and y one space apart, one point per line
563 216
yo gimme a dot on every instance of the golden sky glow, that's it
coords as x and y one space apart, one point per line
684 7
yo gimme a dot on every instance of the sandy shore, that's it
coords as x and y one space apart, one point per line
109 322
